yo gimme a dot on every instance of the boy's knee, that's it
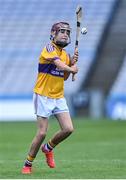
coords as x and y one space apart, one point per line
69 130
42 134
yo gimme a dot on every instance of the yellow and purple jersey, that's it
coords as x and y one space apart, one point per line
50 80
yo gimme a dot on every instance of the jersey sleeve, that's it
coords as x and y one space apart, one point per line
49 53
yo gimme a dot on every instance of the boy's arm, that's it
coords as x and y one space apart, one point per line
62 66
73 60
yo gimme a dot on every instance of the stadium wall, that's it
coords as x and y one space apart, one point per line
16 110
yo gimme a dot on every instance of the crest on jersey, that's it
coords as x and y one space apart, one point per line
49 48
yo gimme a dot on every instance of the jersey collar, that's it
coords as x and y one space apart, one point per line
57 47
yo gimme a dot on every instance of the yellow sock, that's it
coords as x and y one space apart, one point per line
29 161
30 158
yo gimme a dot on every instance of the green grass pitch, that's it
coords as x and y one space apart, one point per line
96 150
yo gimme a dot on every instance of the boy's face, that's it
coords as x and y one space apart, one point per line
63 35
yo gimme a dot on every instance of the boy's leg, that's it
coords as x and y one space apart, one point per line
42 124
66 125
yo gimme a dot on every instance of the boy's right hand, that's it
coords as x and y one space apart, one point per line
74 69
